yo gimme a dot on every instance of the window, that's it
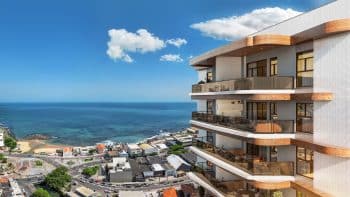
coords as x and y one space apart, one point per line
209 77
273 111
305 162
304 117
256 111
210 106
305 69
273 153
257 69
273 66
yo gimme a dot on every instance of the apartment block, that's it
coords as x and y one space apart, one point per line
273 110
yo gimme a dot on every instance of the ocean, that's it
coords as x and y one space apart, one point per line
89 123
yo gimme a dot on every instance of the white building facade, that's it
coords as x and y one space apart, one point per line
273 109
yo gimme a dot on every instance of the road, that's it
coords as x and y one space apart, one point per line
28 183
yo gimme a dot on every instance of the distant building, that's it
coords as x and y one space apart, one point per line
136 171
131 194
123 153
185 140
113 153
16 190
146 170
134 150
178 163
100 148
170 192
189 157
86 150
162 148
67 152
148 149
119 170
158 170
155 159
168 170
85 192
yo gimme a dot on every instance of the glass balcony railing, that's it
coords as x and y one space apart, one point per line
249 83
249 163
230 188
255 126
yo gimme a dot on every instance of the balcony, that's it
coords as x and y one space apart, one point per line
250 83
250 164
222 188
254 126
206 178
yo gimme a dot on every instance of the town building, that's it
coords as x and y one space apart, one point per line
178 163
273 109
67 152
168 170
85 192
158 170
131 194
100 148
162 148
184 140
134 150
119 170
147 149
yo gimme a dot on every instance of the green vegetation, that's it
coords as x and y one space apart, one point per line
41 193
10 142
90 171
70 163
88 159
3 159
92 151
177 149
38 163
58 179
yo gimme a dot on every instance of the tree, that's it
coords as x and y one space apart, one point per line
10 142
90 171
38 163
177 149
41 193
58 179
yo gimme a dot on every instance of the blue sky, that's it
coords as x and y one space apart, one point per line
55 51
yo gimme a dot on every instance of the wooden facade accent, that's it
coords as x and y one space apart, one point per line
308 189
258 43
270 185
322 148
271 40
269 97
312 97
259 142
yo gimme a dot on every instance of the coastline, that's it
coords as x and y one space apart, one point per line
38 146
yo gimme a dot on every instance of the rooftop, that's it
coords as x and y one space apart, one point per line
157 167
146 146
131 194
133 146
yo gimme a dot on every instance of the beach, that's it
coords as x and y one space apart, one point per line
38 146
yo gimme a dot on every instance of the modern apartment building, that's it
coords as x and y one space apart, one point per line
273 110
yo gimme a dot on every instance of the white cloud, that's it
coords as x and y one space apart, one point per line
178 42
122 42
171 58
234 27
